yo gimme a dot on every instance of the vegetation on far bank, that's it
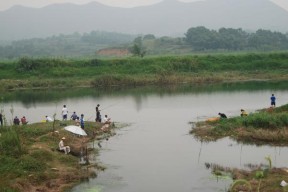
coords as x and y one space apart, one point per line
48 73
30 160
194 40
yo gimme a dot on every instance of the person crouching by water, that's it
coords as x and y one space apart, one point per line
16 121
77 121
222 115
62 146
73 116
243 113
23 120
106 123
48 119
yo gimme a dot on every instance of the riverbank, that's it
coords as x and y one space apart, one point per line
265 127
28 73
31 161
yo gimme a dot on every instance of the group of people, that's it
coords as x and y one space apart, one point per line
79 121
16 120
244 113
23 121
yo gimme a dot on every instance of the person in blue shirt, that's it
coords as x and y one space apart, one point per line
82 121
73 116
273 100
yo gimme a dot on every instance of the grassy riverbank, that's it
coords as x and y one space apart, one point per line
266 127
47 73
30 160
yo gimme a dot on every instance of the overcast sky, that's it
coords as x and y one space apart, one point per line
6 4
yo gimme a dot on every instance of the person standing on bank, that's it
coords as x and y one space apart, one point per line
273 100
1 119
64 112
98 115
82 121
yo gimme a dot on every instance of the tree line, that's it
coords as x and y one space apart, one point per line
72 45
201 38
194 40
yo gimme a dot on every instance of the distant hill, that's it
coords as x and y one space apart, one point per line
170 18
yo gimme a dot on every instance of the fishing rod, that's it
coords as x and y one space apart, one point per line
110 106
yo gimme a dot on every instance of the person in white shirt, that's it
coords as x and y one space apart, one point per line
64 112
62 147
48 119
106 123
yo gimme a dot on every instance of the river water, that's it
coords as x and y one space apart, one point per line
155 152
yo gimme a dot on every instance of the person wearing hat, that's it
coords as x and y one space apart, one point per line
62 147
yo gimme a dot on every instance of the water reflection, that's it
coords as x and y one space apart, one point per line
156 153
30 98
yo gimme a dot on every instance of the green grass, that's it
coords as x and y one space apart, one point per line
45 72
263 127
27 154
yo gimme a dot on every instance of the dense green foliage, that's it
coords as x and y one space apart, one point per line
74 45
196 39
201 38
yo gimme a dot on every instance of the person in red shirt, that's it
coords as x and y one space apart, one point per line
23 120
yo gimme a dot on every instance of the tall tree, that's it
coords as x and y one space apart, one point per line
202 38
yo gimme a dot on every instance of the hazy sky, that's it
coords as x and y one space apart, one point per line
6 4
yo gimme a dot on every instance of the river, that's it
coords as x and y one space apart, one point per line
155 152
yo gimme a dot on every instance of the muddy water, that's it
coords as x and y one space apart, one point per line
156 153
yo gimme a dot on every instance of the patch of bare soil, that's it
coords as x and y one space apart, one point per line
113 52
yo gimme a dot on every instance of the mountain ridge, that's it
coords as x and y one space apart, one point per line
167 18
